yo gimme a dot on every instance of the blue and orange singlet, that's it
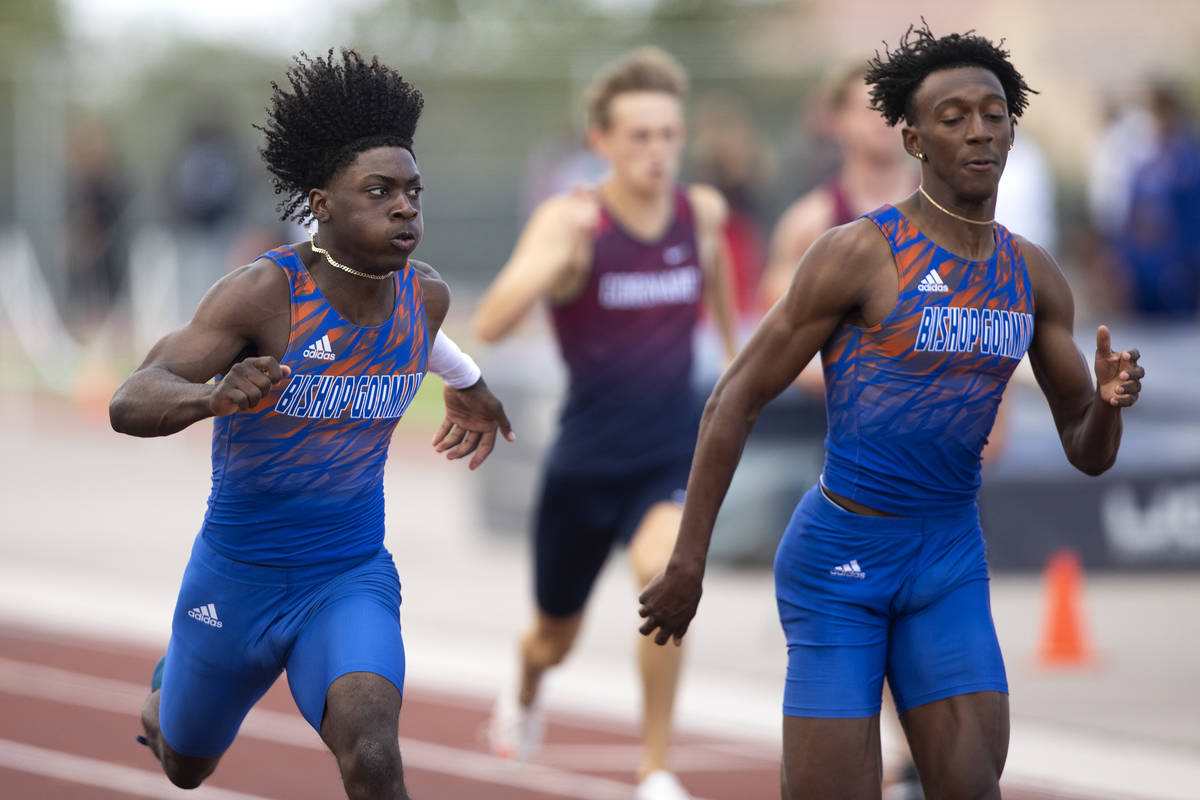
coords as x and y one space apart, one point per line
911 400
627 340
298 479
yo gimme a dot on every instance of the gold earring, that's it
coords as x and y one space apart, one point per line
922 157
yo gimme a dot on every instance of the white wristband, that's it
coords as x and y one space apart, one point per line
451 364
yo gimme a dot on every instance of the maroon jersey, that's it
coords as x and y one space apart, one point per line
626 339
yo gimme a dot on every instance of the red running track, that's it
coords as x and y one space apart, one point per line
70 714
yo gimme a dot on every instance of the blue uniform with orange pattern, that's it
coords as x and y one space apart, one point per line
910 404
629 421
289 571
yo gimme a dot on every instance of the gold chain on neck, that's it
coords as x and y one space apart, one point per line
921 188
312 237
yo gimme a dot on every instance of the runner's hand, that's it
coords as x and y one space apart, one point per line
583 202
472 416
1118 376
246 384
669 603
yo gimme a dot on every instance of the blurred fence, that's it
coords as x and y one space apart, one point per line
502 90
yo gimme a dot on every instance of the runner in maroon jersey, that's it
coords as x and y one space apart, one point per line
625 268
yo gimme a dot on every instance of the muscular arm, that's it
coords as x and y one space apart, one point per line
822 292
1088 417
711 214
246 313
542 259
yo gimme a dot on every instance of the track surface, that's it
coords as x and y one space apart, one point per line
71 712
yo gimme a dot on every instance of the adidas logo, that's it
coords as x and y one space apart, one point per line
321 350
851 570
206 614
932 282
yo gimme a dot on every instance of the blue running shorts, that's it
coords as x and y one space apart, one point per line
581 517
238 625
860 597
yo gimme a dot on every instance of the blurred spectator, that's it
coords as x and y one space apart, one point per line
96 199
731 153
874 170
206 182
1159 245
1126 144
557 165
811 154
205 176
1025 203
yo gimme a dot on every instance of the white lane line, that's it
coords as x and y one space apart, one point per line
102 774
52 683
684 758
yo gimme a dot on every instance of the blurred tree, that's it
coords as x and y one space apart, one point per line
31 18
501 80
30 30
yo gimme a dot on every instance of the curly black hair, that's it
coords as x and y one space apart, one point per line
895 75
333 112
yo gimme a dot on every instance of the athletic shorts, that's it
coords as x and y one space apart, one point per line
580 518
860 597
238 625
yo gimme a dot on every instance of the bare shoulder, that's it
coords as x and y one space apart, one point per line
853 262
434 290
1034 254
246 297
811 212
261 275
1049 283
858 242
709 205
425 272
847 270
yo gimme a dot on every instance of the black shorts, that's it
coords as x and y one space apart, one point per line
579 518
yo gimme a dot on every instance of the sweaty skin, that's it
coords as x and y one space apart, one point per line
642 141
240 329
849 272
961 135
369 217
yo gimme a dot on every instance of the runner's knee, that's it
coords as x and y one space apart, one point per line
547 645
653 542
186 772
370 767
977 781
647 566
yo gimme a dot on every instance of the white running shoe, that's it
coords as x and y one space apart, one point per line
907 785
515 732
661 785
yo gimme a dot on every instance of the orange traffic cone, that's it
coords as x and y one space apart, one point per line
95 381
1064 640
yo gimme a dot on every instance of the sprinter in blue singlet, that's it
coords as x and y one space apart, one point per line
317 349
921 311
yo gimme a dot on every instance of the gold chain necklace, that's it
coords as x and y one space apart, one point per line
312 237
921 188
